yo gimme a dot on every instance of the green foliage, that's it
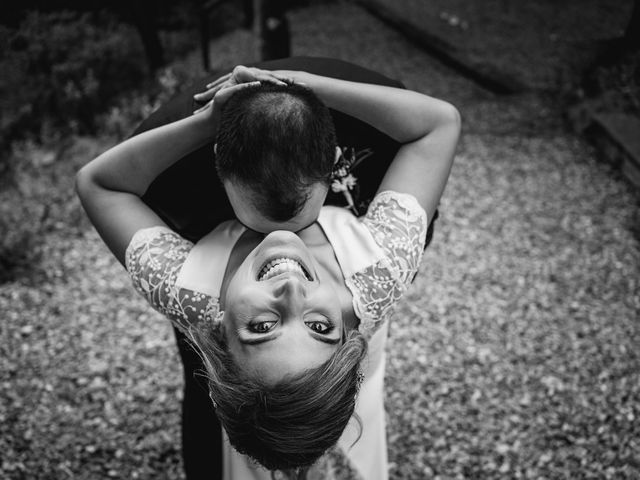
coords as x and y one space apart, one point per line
62 68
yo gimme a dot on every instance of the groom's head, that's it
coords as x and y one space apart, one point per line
275 149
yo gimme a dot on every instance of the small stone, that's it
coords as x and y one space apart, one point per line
26 330
502 448
545 458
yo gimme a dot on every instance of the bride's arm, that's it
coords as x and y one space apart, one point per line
111 185
428 129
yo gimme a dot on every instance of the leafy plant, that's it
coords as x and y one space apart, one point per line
63 68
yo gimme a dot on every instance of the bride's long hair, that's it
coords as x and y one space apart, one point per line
289 425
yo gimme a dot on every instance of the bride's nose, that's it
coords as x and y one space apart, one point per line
291 287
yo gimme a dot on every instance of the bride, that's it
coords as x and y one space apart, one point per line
291 326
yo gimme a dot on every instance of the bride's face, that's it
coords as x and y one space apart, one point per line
282 315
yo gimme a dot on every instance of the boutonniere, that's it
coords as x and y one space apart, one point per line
342 180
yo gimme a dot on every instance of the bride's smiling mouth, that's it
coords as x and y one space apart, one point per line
282 265
282 253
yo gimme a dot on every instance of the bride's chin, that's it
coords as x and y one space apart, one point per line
281 244
281 239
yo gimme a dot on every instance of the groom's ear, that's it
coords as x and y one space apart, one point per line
215 148
338 155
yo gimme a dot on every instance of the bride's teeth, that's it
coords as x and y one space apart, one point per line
281 265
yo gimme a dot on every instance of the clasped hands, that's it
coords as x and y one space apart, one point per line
219 91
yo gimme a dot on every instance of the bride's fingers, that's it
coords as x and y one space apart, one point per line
209 94
282 78
218 81
242 74
272 79
268 76
225 94
212 89
204 96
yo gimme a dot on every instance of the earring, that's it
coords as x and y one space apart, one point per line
217 320
359 380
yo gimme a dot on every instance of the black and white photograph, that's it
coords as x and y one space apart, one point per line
319 239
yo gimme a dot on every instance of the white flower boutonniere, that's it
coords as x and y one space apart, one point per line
344 184
342 180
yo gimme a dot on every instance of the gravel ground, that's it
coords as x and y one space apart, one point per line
515 354
539 43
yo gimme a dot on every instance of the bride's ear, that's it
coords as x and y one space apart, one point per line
338 155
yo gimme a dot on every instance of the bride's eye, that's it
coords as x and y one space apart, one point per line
262 326
322 327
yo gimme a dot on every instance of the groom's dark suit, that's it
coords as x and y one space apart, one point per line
191 199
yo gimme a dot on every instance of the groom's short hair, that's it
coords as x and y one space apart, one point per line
278 141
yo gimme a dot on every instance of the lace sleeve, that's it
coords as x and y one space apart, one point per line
399 226
153 259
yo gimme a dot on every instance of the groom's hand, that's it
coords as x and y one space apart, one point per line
240 75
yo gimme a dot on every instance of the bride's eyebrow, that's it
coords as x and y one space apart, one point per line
273 336
322 338
259 340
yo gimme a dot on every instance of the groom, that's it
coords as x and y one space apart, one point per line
184 198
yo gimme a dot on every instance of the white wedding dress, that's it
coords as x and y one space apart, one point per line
379 254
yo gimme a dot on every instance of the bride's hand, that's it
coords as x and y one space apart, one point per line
240 75
213 108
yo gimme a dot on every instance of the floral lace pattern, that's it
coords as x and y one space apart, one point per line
154 258
399 226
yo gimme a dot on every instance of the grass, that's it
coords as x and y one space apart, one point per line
513 356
